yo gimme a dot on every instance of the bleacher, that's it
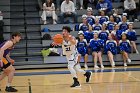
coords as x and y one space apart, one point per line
23 16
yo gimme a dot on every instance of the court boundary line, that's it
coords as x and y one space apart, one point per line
138 80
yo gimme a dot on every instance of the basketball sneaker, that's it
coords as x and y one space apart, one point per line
125 65
76 83
102 66
10 89
88 76
96 67
129 60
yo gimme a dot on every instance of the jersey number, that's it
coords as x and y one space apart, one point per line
68 49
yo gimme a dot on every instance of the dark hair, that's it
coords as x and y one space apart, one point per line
67 28
49 4
14 34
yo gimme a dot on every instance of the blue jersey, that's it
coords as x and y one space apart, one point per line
88 35
110 25
82 47
97 27
104 35
124 46
91 20
118 19
103 19
111 45
96 45
123 26
83 27
119 34
131 35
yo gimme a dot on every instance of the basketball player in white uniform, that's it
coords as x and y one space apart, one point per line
69 49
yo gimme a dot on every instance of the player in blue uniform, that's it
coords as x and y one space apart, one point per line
82 49
125 48
90 17
117 33
131 34
6 63
103 18
111 23
111 49
96 46
84 26
97 26
88 35
124 24
103 34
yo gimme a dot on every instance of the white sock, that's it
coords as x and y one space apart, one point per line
78 69
8 84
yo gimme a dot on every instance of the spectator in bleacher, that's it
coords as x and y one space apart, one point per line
90 17
124 24
105 5
116 33
125 48
97 26
117 17
81 3
131 34
84 25
96 46
82 48
130 8
1 27
88 35
89 3
49 11
102 18
111 49
111 23
68 10
103 34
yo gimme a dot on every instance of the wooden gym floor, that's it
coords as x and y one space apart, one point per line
118 80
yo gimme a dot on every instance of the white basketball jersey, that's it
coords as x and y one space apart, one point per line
68 48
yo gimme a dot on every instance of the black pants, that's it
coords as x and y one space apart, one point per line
131 12
73 15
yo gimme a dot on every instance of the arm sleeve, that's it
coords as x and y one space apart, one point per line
125 5
73 7
62 7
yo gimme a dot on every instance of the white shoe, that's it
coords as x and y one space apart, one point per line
137 52
102 66
96 67
54 23
113 64
129 60
86 67
45 23
81 8
136 20
125 65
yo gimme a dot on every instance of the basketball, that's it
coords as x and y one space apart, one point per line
58 39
